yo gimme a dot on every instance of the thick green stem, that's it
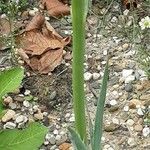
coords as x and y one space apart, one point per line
79 10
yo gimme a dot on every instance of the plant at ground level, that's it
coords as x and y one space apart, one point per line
9 81
28 139
79 139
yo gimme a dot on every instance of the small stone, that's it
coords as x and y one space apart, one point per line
105 52
72 119
53 95
96 75
115 121
20 119
87 76
8 116
27 92
68 56
12 106
110 148
134 103
128 87
130 122
140 112
55 132
39 116
138 127
146 131
113 102
67 115
131 141
46 142
26 104
127 72
125 46
106 146
145 97
8 100
126 108
9 125
110 127
52 139
130 79
32 13
35 108
58 137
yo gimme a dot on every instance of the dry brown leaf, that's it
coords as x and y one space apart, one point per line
41 49
65 146
55 8
36 22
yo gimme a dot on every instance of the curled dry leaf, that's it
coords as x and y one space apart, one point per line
55 8
36 22
41 47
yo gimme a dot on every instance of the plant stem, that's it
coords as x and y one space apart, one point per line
79 10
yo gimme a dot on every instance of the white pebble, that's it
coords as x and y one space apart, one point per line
20 119
27 92
105 52
55 132
9 125
146 131
131 141
46 142
58 137
87 76
130 79
113 102
130 122
126 108
140 112
96 75
26 104
110 148
127 72
115 121
67 115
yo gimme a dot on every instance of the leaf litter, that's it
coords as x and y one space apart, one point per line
41 47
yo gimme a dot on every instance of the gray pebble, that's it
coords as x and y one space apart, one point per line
129 87
53 95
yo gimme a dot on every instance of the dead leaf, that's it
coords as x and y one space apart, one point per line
36 22
41 47
65 146
55 8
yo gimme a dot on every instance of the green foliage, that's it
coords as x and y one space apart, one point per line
11 6
30 138
79 8
95 140
96 145
10 80
76 140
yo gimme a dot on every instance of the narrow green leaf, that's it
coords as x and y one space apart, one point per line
10 80
100 112
30 138
76 140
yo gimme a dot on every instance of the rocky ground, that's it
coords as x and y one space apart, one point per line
48 98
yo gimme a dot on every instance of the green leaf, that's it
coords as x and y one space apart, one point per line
30 138
10 80
100 112
76 140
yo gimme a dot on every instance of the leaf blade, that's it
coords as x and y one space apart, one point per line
10 80
28 139
76 140
99 112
